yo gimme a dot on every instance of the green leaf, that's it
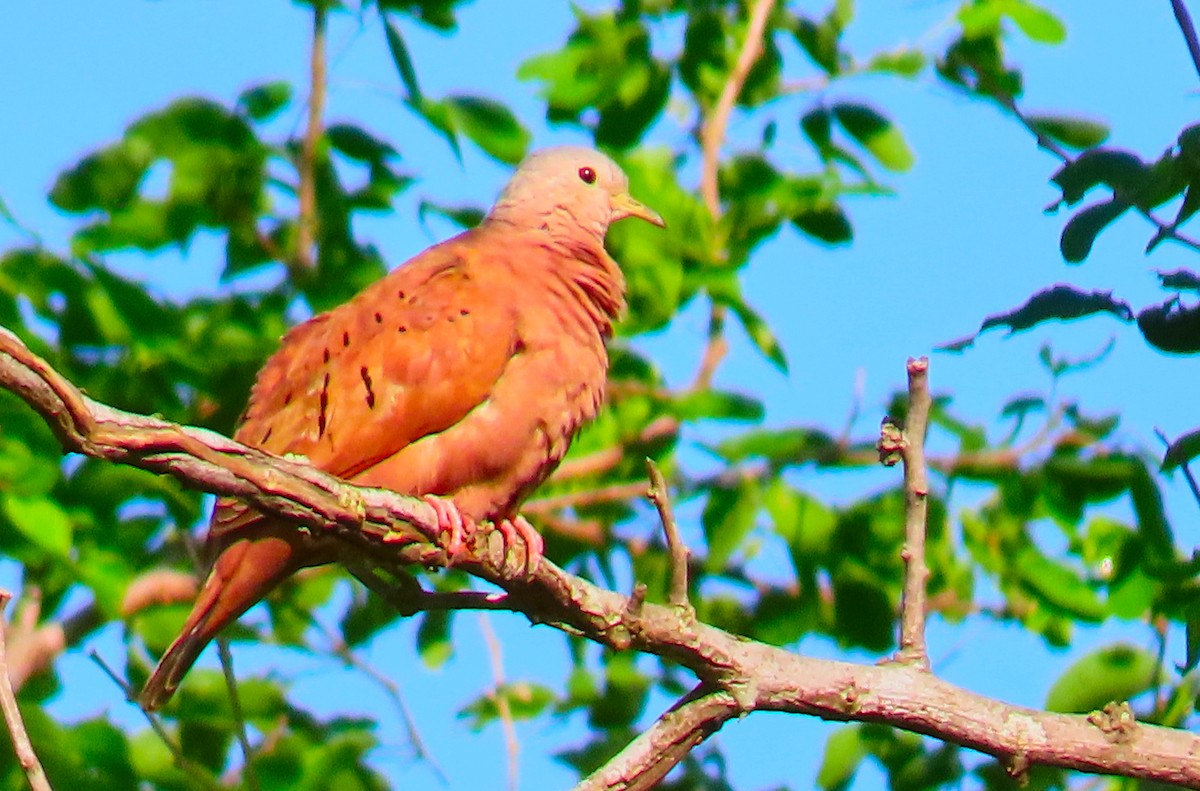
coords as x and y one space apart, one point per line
1081 230
262 102
1182 451
403 61
828 223
876 134
462 216
728 517
862 608
716 405
491 126
357 143
1061 303
1180 280
1078 133
844 751
1114 673
433 639
42 521
1119 170
778 446
1171 327
760 334
1036 22
1058 586
903 62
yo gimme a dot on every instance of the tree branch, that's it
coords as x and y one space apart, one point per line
306 231
1184 20
916 509
712 137
28 759
646 761
679 552
745 675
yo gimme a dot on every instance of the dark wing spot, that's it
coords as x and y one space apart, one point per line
287 399
518 346
402 328
378 317
345 339
366 377
266 436
400 294
326 355
464 312
321 418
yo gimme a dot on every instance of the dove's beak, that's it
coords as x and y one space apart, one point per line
625 205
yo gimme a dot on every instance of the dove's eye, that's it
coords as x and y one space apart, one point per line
587 175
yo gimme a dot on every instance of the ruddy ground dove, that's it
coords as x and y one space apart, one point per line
463 374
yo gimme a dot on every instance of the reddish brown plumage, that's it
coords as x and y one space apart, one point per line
464 373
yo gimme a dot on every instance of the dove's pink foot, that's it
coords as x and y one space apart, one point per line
519 527
450 521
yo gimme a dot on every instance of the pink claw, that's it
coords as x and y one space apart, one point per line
450 519
519 526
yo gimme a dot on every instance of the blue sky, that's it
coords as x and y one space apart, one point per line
964 236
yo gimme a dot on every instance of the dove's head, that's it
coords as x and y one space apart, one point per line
567 188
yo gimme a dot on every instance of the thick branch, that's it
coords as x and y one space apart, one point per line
753 675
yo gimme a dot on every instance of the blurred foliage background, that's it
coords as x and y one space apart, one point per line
1038 548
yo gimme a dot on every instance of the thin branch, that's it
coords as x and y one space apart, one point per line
500 698
616 492
392 529
34 773
181 761
661 498
604 460
235 706
307 221
343 652
916 507
712 137
643 764
1184 19
712 134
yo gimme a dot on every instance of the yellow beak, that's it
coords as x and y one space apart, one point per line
625 205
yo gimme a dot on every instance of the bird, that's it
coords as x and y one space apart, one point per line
459 377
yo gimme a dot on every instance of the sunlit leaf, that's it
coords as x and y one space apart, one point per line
1114 673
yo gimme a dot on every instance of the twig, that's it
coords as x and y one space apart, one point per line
604 460
1184 19
181 760
916 498
343 652
755 675
235 707
307 221
712 136
605 494
679 552
500 698
34 773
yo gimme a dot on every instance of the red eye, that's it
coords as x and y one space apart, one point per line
587 175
